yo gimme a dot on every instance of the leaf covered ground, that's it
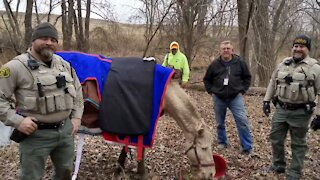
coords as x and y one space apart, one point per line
166 160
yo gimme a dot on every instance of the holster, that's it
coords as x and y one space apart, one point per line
309 108
18 136
275 100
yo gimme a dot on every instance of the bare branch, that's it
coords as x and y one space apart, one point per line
157 28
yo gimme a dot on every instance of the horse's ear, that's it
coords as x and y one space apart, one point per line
201 132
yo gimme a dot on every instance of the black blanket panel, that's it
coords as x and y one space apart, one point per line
126 105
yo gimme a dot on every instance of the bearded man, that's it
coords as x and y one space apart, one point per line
49 105
294 86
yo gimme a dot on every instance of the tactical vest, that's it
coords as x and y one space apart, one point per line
52 94
296 82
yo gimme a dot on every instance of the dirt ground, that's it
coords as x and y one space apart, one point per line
166 160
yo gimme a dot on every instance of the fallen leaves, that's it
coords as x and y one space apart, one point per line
166 159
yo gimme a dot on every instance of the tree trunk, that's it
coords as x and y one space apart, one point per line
28 24
203 10
263 48
37 13
243 21
79 27
70 23
86 27
64 24
14 29
187 15
67 19
265 38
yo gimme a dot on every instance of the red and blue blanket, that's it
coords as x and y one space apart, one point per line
98 68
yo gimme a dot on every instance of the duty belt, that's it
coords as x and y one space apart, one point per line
57 125
291 106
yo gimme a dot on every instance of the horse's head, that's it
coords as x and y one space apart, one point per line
199 152
198 139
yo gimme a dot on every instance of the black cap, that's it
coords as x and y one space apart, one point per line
303 40
44 30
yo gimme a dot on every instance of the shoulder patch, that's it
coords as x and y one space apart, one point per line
4 72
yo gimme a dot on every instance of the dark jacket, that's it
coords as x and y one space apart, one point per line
237 73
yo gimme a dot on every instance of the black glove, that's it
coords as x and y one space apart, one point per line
266 108
315 124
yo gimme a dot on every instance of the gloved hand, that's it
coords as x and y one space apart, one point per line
315 124
266 108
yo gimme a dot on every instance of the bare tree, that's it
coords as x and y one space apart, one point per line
245 9
28 24
265 36
154 18
37 12
312 10
189 20
13 28
222 25
103 9
44 10
81 32
86 26
203 11
67 13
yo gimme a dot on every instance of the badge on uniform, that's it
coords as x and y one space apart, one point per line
4 72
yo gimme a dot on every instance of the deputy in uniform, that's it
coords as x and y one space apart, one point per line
48 103
293 87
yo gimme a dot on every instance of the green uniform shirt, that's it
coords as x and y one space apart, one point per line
17 79
295 82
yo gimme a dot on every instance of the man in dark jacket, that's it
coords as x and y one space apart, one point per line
227 78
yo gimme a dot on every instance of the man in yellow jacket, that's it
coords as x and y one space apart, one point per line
179 62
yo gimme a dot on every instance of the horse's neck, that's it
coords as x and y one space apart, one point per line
178 105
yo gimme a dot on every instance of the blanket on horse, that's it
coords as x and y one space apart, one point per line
93 67
126 106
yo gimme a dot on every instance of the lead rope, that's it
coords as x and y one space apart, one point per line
79 154
180 172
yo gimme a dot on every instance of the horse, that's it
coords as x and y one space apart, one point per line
178 105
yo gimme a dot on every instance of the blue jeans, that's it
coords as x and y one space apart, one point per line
238 110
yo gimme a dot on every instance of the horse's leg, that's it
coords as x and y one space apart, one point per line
141 168
121 160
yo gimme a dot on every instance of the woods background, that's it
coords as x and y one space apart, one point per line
262 31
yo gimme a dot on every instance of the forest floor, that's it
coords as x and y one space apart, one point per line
166 159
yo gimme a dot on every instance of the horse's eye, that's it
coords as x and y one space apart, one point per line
204 148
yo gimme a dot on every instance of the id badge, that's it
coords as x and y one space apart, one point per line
225 81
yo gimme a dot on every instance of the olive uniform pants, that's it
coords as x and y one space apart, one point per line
296 121
56 143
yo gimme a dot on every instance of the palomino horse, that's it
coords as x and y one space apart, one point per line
176 103
198 138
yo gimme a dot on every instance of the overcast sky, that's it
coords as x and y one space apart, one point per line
123 9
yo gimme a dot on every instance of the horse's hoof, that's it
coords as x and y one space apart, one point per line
145 176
